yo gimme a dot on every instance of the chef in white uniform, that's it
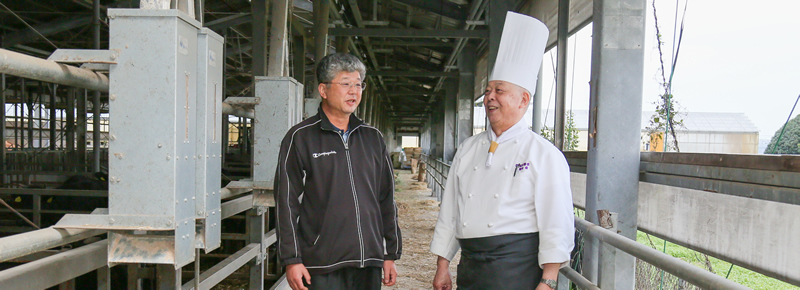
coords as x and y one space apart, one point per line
507 203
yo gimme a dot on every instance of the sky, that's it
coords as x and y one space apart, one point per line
735 56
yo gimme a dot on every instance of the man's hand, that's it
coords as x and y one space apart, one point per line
389 273
442 280
295 273
549 271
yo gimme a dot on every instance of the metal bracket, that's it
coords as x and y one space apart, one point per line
607 220
239 184
243 101
84 56
263 198
116 222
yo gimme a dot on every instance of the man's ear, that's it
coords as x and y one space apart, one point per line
321 89
526 98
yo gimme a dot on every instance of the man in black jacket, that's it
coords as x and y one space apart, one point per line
334 190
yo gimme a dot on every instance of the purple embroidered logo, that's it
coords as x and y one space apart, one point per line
521 167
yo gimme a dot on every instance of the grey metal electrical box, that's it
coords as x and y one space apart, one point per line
152 139
210 65
280 108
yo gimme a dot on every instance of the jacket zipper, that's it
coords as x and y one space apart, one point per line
355 196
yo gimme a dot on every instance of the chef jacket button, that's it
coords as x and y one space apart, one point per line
465 224
516 141
496 195
476 168
470 195
490 225
505 168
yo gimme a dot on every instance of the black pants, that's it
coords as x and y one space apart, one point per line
368 278
500 262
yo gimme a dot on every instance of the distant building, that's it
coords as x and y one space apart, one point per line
703 133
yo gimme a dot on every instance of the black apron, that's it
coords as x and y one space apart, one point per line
500 262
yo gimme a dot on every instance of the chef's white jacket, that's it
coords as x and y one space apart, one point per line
525 190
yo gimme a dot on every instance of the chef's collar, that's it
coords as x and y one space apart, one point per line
495 141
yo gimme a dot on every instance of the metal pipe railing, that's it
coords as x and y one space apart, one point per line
684 270
577 279
438 171
19 245
29 67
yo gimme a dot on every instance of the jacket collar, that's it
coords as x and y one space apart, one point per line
327 125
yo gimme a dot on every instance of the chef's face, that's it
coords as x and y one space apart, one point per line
505 104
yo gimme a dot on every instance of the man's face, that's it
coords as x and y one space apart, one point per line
505 104
339 98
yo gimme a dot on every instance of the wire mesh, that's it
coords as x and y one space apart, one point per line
648 276
651 277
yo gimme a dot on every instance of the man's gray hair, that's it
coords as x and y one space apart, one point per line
332 64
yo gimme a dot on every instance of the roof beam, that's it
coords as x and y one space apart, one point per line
414 43
416 62
228 21
408 33
59 25
412 93
440 7
452 74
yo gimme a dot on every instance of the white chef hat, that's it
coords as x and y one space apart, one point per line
521 49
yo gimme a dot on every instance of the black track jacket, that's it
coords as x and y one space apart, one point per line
335 199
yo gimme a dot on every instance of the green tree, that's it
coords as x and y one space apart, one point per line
570 133
789 141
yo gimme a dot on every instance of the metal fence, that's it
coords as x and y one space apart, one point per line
655 270
32 246
436 171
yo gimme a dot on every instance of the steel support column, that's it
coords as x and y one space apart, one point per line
615 107
69 130
134 283
537 104
255 230
277 43
260 9
466 93
81 130
29 100
167 277
497 17
299 59
449 124
52 126
321 11
96 100
320 30
561 74
103 278
437 132
3 128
